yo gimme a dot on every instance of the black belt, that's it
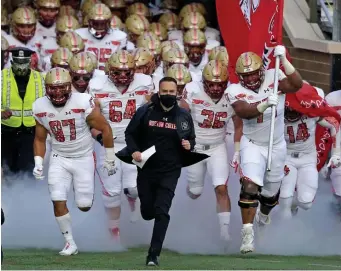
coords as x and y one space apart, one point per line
17 130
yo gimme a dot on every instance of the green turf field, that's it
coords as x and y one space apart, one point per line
135 259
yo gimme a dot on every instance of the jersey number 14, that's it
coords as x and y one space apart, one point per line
301 135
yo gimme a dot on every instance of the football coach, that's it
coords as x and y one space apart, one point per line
163 124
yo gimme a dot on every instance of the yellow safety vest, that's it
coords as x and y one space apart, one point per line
21 110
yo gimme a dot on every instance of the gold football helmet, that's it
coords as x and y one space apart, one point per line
65 24
249 68
136 25
193 7
194 45
193 20
66 10
223 57
61 57
167 45
170 20
24 24
87 6
215 78
73 42
159 30
117 7
174 56
82 68
85 21
4 20
121 68
47 11
58 86
182 76
151 42
213 53
116 23
93 57
144 61
4 49
99 20
139 9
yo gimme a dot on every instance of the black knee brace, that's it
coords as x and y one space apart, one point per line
270 202
249 194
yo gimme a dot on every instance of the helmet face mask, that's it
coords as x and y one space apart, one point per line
195 53
24 32
121 68
215 79
47 16
121 77
58 86
252 80
99 28
291 115
215 89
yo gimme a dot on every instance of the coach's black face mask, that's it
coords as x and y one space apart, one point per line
168 100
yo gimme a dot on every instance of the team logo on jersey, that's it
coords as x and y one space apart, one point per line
68 113
225 105
51 115
184 125
92 102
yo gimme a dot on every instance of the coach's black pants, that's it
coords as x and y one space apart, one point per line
156 194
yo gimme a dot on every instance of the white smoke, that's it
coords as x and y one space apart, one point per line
194 228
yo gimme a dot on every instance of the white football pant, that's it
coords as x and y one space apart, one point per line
217 166
302 177
253 160
112 186
63 171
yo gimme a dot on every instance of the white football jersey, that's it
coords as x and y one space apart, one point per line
70 133
46 32
258 129
209 118
212 34
47 48
300 135
103 48
119 107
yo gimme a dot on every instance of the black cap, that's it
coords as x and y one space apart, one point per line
21 52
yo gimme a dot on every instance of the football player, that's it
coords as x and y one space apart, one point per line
23 33
99 38
144 61
334 99
160 31
67 116
252 100
299 186
182 76
120 95
47 15
82 67
135 25
210 110
139 9
117 8
170 21
73 42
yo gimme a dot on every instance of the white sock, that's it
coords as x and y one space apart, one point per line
224 218
64 223
113 224
285 205
248 225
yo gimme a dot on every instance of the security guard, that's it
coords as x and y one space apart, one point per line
21 86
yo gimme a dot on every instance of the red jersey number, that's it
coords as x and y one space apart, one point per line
301 135
56 127
212 120
102 54
117 115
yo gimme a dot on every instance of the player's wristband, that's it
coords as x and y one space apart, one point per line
38 160
99 139
236 146
110 154
288 67
262 107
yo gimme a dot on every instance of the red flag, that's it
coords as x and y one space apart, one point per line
250 25
308 102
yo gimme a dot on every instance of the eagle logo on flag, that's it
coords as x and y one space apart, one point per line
246 6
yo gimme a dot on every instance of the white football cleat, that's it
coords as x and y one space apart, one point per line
262 219
247 240
69 249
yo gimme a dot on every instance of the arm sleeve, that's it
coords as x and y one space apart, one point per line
35 113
